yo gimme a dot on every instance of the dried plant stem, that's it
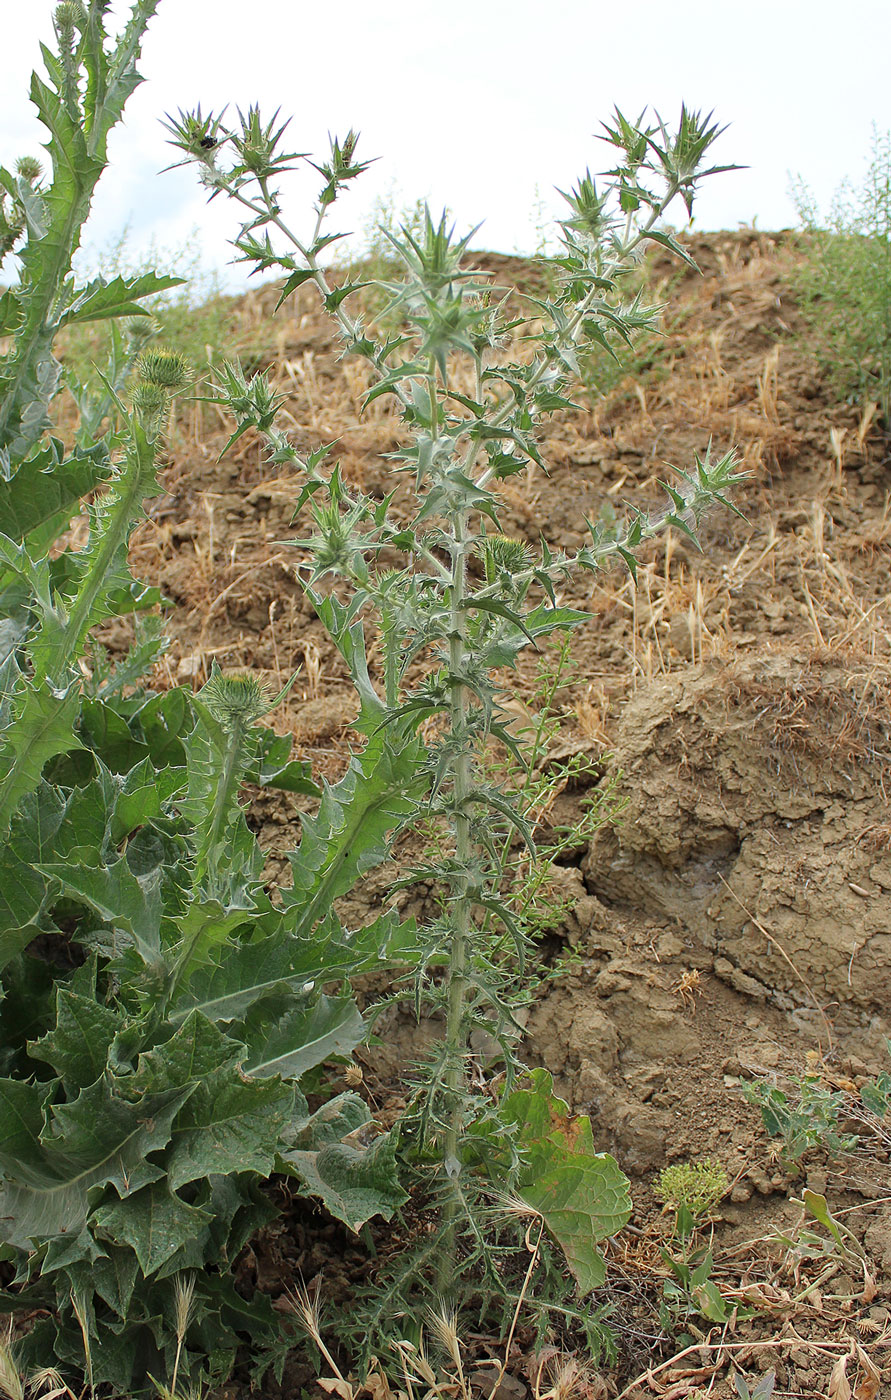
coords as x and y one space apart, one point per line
775 1344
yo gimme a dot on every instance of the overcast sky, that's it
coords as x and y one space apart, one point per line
482 105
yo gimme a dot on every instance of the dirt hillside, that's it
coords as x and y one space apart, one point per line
736 922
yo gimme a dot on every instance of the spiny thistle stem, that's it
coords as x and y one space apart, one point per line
462 777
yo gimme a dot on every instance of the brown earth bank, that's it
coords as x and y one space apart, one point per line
735 922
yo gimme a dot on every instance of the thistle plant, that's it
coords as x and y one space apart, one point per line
157 1009
451 597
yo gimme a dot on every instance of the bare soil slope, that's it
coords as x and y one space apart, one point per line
737 922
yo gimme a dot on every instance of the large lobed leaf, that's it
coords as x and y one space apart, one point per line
349 835
581 1195
352 1179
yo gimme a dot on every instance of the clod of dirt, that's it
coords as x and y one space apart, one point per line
757 820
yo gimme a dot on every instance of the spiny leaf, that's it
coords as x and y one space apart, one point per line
237 975
100 1137
232 1122
353 1182
303 1037
100 300
43 726
77 1047
349 834
154 1222
130 904
46 490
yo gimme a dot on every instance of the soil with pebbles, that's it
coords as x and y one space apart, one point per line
735 923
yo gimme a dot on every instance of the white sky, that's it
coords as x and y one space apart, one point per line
483 105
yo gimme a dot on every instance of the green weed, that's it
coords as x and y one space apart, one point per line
694 1187
454 600
844 281
805 1118
158 1009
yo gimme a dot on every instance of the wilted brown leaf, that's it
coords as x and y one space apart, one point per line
839 1387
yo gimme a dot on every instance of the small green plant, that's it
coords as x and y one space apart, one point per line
763 1390
875 1097
692 1190
844 281
690 1291
805 1117
821 1236
693 1187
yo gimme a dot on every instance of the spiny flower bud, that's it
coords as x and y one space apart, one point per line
68 16
139 330
504 552
167 369
29 169
150 402
235 700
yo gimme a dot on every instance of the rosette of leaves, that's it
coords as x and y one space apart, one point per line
151 1087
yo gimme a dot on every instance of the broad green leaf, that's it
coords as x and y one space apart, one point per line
143 797
228 860
274 767
302 1037
77 1047
10 311
819 1209
128 903
349 834
235 976
353 1182
154 1222
47 489
205 927
101 1137
232 1123
22 900
42 727
105 731
163 721
876 1095
582 1195
72 1253
114 1277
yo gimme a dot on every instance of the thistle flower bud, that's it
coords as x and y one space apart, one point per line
29 169
139 330
504 552
67 17
150 401
235 700
166 369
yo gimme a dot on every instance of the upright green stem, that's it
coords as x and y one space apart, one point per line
227 788
462 779
129 491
